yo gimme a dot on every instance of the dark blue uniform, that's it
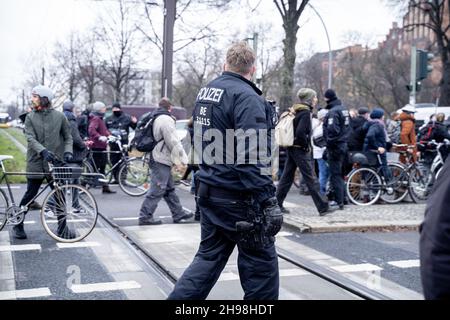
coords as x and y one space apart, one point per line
231 190
336 131
435 240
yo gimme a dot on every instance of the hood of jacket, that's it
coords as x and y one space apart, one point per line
300 107
407 116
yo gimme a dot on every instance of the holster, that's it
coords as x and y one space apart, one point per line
252 232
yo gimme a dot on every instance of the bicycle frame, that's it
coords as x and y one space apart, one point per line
117 165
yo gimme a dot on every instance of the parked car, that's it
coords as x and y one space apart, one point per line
425 110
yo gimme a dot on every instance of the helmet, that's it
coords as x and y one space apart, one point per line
360 159
43 91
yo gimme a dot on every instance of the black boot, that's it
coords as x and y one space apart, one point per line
19 232
106 189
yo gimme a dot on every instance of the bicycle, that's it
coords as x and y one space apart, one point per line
366 183
422 175
132 173
69 211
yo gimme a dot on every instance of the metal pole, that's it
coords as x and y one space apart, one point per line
255 49
43 76
169 22
412 96
330 53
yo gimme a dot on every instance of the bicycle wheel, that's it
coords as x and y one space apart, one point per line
69 213
397 189
134 176
3 209
363 187
87 169
420 181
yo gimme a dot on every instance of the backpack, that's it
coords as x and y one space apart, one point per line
426 133
395 133
144 139
284 130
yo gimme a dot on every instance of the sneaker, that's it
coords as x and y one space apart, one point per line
67 234
149 221
184 218
330 209
49 213
284 210
186 183
19 232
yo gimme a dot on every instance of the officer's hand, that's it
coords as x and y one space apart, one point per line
48 155
103 139
68 157
381 150
274 217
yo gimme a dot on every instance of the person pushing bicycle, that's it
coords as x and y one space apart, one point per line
49 137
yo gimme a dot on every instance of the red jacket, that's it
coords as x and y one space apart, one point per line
97 128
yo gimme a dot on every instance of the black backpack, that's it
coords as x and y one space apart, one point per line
144 140
426 134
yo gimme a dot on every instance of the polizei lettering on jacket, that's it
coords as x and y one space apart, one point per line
210 95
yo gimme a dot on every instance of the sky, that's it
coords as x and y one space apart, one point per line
26 24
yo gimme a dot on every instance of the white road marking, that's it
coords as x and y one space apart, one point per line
290 205
284 234
78 245
126 219
106 286
366 267
405 264
68 221
23 247
228 276
25 294
293 272
163 240
29 222
12 187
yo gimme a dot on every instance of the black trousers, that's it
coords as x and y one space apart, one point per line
115 157
100 159
297 158
336 158
33 186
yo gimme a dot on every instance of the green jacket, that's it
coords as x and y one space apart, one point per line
48 129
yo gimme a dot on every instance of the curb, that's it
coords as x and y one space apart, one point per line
388 227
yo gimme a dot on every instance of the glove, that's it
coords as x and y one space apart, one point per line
103 138
273 215
48 155
68 157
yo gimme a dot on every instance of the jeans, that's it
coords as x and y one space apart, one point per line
324 175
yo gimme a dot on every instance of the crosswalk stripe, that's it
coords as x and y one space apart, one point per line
290 205
126 219
23 247
405 264
105 286
29 222
293 272
228 276
284 234
365 267
25 294
78 245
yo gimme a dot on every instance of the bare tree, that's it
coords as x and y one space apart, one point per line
118 36
290 11
437 13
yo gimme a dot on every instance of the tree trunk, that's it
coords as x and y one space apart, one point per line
445 84
287 73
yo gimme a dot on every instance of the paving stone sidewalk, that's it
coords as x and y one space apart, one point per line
305 218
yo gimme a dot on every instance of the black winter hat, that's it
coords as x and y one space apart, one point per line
363 110
117 105
330 95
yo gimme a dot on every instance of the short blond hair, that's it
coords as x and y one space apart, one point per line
240 58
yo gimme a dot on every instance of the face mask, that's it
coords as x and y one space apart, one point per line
117 113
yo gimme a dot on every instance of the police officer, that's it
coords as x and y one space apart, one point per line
236 196
336 131
435 240
120 122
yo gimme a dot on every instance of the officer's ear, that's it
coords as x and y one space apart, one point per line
225 67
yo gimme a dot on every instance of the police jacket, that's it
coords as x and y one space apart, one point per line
123 123
440 132
435 240
336 125
226 110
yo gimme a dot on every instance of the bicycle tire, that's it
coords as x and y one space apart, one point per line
419 189
82 207
354 186
134 177
400 185
4 205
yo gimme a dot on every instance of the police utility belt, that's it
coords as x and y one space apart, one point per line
207 191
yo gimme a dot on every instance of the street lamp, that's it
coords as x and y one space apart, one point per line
330 53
